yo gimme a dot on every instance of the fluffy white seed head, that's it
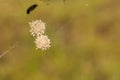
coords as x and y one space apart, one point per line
42 42
37 27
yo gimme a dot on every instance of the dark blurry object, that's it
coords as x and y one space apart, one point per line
31 8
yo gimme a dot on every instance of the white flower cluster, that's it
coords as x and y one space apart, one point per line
42 42
37 29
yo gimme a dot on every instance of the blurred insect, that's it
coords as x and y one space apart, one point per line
31 8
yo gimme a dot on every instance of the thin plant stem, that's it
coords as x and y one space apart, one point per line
8 50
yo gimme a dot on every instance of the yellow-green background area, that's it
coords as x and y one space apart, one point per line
85 40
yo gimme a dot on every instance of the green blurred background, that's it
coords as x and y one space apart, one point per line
85 40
